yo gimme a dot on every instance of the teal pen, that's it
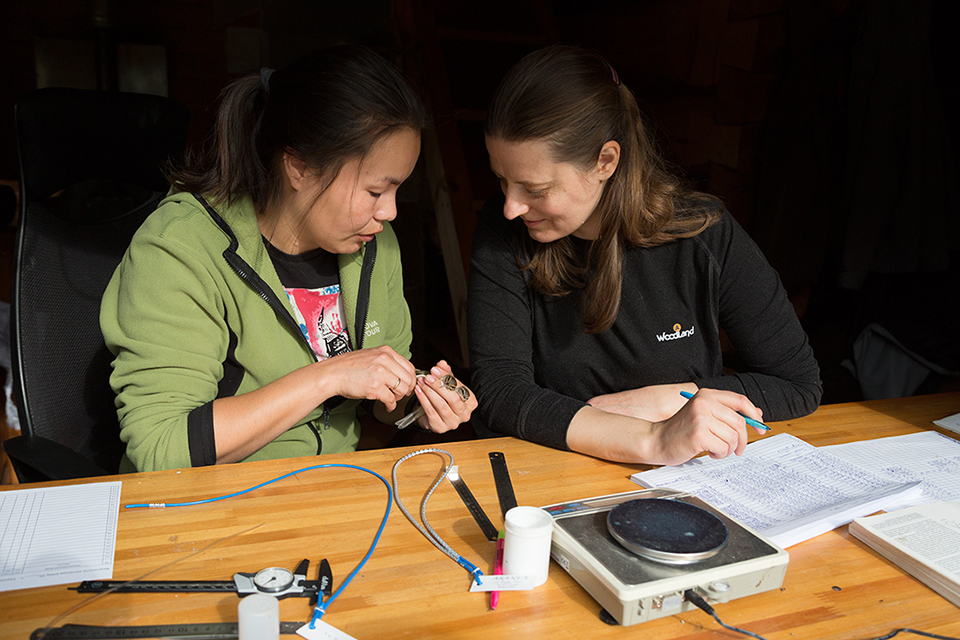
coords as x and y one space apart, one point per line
750 421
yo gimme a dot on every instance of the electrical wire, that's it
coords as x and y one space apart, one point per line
426 529
322 605
919 633
696 599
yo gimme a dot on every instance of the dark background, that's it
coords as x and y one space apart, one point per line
827 127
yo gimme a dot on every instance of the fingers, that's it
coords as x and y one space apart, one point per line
446 402
378 373
391 378
718 424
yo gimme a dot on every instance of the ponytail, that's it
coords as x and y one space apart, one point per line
328 108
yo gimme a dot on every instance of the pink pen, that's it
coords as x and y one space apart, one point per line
497 570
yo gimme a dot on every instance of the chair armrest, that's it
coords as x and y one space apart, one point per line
37 459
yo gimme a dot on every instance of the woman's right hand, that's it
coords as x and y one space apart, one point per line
708 422
378 373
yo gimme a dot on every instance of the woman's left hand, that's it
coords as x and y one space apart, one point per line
654 403
446 402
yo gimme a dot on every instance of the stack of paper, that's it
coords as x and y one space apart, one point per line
784 488
924 541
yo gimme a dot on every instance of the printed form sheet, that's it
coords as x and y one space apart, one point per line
784 488
58 535
929 457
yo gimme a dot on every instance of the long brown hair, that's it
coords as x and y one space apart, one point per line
328 108
572 99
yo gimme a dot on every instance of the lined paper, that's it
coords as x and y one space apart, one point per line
929 457
784 488
58 535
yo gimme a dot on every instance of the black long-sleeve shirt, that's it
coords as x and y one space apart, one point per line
534 367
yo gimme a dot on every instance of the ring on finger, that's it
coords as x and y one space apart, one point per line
464 393
393 389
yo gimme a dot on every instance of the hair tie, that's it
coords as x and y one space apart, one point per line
265 73
613 72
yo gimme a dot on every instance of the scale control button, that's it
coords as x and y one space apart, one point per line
719 586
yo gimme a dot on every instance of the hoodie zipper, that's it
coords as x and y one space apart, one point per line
363 291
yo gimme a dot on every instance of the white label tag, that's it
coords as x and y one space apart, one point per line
503 583
323 631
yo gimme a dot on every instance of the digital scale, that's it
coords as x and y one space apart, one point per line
637 553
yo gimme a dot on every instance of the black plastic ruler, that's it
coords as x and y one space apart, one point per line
157 586
188 631
501 476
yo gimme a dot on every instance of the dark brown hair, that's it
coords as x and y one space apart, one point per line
572 99
327 108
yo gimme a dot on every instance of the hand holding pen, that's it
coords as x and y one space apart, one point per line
756 424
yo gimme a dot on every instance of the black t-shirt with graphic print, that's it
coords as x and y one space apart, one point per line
312 283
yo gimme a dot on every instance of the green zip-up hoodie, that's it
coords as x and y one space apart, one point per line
196 311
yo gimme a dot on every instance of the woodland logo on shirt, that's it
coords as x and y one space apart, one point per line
678 332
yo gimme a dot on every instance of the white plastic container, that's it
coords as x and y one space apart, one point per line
259 616
526 543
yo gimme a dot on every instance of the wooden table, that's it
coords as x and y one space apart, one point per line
835 587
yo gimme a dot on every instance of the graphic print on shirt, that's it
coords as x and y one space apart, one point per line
321 319
678 333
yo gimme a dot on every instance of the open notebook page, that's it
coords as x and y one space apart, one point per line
928 456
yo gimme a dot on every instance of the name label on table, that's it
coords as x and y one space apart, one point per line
323 631
503 583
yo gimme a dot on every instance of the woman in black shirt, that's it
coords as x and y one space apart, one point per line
598 285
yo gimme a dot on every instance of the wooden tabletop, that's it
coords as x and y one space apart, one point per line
835 587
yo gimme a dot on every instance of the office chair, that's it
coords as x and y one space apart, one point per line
91 170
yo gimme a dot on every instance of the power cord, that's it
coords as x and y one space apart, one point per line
919 633
696 599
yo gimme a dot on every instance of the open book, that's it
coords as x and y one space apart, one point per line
950 422
924 541
784 488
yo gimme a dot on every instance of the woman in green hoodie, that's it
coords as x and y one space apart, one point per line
263 300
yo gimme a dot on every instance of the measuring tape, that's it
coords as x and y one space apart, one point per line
195 631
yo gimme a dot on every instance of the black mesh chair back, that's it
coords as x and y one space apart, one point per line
91 170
